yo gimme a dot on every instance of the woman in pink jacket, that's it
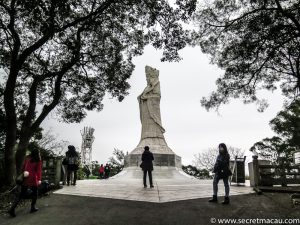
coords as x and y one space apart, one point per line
32 170
101 171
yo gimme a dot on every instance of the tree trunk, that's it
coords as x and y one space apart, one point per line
9 156
10 128
21 151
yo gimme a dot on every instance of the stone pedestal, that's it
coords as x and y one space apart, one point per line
163 155
170 160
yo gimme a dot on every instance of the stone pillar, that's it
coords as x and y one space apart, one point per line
254 172
58 172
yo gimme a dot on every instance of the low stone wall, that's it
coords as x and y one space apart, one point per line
51 170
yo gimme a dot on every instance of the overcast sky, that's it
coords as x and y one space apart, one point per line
190 129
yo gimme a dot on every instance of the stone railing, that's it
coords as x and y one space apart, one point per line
263 173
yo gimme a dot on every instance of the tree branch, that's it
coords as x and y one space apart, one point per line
288 15
6 31
15 35
5 7
48 35
99 10
57 86
231 22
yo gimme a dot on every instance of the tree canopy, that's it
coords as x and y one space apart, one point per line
66 55
117 161
256 43
287 127
195 172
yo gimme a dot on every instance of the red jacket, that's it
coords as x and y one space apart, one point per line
35 172
101 169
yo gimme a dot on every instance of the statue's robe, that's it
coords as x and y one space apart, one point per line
149 103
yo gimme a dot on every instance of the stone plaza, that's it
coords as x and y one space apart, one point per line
170 184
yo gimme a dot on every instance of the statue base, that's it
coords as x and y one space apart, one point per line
170 160
163 155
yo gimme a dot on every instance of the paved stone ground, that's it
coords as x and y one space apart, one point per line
106 202
79 210
170 185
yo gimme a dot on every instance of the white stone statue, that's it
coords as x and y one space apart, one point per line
149 103
152 130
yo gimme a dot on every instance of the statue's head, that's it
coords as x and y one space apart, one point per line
151 74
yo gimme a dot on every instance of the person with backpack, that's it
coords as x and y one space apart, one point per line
31 179
147 166
73 165
222 171
106 171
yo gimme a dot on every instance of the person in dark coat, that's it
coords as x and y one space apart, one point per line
147 166
73 165
106 171
222 171
32 170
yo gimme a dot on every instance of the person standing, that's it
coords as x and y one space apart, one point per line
101 171
32 173
65 169
106 171
73 165
147 166
222 171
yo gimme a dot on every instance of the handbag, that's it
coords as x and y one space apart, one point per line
28 193
20 178
65 161
142 165
225 173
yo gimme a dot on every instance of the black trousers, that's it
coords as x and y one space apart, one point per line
106 174
23 195
70 172
145 177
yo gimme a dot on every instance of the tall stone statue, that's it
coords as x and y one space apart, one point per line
152 134
149 102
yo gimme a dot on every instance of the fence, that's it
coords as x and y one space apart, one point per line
267 174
